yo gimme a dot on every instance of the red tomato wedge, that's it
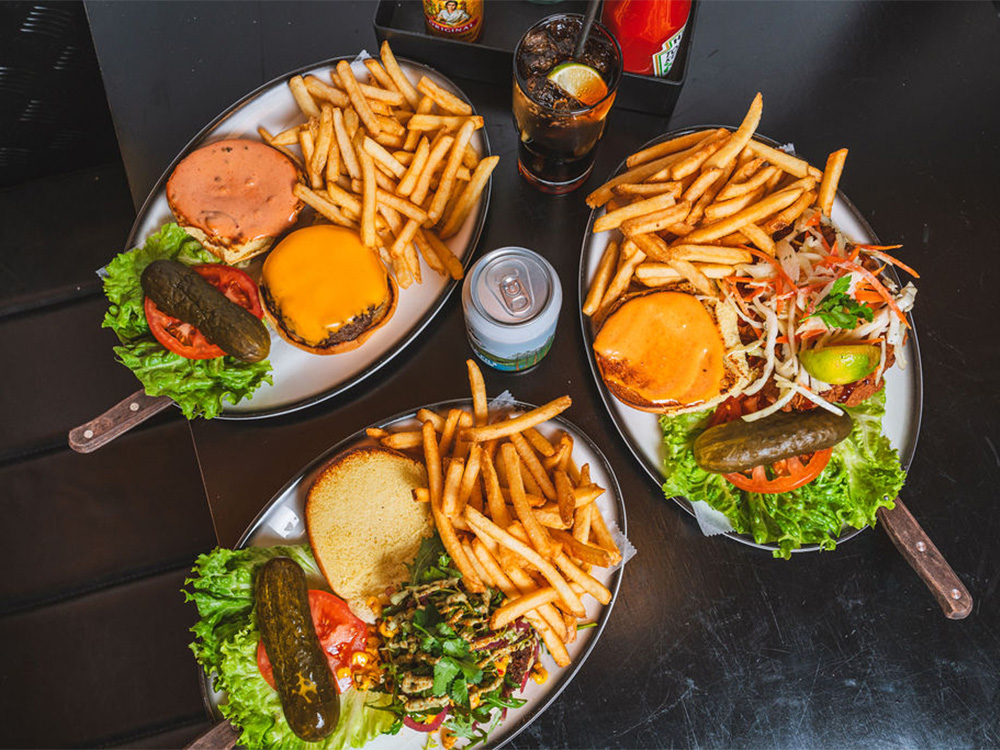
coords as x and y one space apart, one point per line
186 340
782 476
341 635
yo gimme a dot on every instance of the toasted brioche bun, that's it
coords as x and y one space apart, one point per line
235 197
363 523
325 292
626 380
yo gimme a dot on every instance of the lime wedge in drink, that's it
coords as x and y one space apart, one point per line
579 81
842 364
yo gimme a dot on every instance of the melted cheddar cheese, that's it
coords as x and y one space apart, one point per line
321 277
665 346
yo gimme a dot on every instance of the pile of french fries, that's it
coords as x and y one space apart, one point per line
390 159
514 511
689 209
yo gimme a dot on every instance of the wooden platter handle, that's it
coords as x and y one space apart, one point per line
222 736
920 552
117 420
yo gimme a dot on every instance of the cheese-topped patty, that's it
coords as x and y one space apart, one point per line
325 291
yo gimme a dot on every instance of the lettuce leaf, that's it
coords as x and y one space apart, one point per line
863 475
226 637
198 386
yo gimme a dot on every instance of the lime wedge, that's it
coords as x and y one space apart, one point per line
838 365
579 81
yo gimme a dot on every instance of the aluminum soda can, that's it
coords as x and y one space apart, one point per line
511 299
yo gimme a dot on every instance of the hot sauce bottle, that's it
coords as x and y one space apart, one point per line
649 32
454 19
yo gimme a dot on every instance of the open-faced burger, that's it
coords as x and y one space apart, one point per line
235 197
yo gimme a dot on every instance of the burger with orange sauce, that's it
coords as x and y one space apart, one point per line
670 352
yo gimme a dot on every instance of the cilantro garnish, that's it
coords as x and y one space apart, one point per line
838 309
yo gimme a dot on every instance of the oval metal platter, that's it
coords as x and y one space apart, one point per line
302 379
641 430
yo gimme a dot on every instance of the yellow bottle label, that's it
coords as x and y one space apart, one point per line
455 19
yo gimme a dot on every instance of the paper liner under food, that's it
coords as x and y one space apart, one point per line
710 520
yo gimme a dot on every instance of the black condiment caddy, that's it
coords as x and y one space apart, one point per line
489 59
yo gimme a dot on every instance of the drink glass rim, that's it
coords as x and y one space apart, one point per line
612 88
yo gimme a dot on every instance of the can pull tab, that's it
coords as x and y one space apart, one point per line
516 297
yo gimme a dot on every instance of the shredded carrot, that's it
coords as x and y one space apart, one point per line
889 259
775 265
876 285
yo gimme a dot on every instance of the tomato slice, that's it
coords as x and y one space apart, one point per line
782 476
186 340
341 635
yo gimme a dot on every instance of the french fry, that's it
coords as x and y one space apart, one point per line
564 496
518 606
691 163
425 107
701 183
741 137
533 465
447 123
482 526
602 277
536 533
633 257
379 74
470 196
368 205
784 161
470 476
581 525
494 497
438 152
428 415
402 441
350 158
318 89
383 157
480 408
680 143
409 180
432 461
302 97
710 254
397 75
453 546
613 219
445 255
322 206
357 98
589 584
602 536
447 181
831 178
657 221
444 99
761 239
751 214
452 482
789 215
427 252
405 207
518 424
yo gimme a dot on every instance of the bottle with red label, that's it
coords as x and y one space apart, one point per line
649 32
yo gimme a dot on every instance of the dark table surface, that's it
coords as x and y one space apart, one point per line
710 642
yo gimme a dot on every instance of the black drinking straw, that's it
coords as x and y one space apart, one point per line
588 21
